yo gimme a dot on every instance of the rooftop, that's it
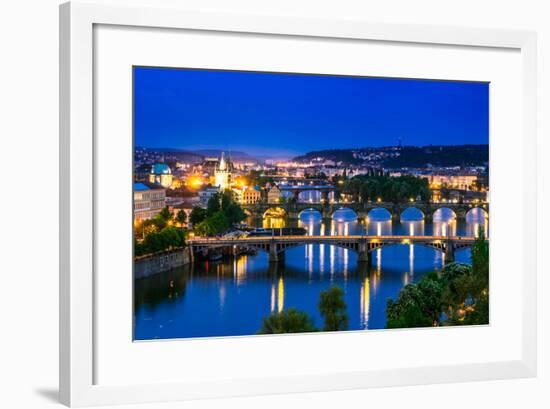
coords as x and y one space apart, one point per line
143 186
160 169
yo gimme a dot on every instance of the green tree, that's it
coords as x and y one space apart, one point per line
198 214
165 214
226 199
287 321
169 237
480 265
431 291
480 314
417 305
456 279
333 309
410 315
215 224
234 213
181 217
213 205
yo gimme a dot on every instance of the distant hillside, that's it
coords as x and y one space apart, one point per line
407 156
235 155
337 155
459 155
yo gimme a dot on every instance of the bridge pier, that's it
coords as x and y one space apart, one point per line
449 253
273 252
363 254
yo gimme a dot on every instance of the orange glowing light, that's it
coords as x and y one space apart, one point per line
194 182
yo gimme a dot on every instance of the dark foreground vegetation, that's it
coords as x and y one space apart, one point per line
456 295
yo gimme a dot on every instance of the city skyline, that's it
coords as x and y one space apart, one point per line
229 150
275 114
270 203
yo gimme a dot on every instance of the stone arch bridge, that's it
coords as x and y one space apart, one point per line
275 246
293 210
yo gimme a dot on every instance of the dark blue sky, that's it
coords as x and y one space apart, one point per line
288 114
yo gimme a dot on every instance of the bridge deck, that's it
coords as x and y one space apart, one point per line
206 241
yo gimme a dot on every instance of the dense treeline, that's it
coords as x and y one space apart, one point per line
221 213
159 233
364 188
458 295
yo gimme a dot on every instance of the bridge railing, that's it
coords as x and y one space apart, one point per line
371 238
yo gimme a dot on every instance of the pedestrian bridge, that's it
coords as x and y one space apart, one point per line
363 245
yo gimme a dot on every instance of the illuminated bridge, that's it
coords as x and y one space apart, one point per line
275 246
297 189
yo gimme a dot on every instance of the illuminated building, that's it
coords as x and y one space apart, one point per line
149 200
274 195
161 175
463 182
206 193
223 174
249 195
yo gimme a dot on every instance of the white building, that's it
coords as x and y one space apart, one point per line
206 193
222 174
148 201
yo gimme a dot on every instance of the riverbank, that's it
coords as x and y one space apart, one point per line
146 266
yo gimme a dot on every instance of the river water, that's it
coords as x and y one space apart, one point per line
230 297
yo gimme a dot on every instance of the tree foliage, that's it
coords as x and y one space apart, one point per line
480 265
166 239
417 305
459 295
181 217
287 321
198 214
399 189
333 309
221 213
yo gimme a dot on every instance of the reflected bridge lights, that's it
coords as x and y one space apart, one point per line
364 303
277 296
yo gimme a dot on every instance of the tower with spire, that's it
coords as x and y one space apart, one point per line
222 173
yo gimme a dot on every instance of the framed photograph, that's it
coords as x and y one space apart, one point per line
259 204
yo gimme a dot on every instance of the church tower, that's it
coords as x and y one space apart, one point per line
223 174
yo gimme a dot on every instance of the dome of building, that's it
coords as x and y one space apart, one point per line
160 169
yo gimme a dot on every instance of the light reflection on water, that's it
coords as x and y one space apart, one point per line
231 297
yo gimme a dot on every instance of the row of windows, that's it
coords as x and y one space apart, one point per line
158 204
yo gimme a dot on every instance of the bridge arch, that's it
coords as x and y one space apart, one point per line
379 214
275 212
412 214
310 214
476 215
444 214
344 214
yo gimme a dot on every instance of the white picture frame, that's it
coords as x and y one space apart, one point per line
78 386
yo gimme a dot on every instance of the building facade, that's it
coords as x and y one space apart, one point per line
223 174
206 193
274 195
161 174
149 200
463 182
250 196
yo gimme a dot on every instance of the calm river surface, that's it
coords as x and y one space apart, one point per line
231 297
